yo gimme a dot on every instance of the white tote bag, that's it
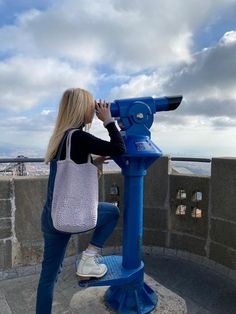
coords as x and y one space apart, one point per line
75 194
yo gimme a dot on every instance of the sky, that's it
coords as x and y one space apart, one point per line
120 49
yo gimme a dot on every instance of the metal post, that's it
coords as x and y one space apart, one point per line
132 239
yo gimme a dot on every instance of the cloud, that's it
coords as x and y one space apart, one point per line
25 81
223 122
33 123
207 84
142 47
211 75
45 112
63 45
127 36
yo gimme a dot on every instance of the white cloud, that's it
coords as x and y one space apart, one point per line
25 81
207 84
196 141
127 36
228 38
45 112
147 47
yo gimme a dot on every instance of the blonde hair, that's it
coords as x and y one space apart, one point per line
76 109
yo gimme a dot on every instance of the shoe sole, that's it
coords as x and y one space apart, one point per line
86 277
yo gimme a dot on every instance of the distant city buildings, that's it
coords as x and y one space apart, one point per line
40 168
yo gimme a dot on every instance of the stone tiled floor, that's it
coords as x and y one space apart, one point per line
204 291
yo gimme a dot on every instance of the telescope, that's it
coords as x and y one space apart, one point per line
135 117
128 293
137 114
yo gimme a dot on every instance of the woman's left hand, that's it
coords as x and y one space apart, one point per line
101 160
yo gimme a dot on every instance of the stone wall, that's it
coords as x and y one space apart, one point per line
222 223
184 214
21 202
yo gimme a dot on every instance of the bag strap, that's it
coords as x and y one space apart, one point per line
58 155
68 146
67 136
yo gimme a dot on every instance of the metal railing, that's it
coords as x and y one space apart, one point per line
26 159
20 159
190 159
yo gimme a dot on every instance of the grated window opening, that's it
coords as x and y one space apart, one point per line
181 194
181 210
196 212
197 196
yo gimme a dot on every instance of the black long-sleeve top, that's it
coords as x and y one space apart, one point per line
84 143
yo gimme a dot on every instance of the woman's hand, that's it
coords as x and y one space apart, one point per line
101 160
103 111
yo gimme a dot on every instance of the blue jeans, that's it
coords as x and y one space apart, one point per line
54 251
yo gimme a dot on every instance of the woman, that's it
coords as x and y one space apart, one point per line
76 111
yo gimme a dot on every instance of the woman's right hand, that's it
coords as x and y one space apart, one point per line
103 111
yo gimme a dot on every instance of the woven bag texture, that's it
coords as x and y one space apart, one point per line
75 194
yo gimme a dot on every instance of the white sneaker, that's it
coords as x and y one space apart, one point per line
89 267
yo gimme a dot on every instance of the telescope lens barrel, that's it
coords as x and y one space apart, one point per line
174 102
167 103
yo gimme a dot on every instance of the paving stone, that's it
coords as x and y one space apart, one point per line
4 307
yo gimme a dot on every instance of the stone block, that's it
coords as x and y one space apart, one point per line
156 250
5 208
101 182
72 247
232 275
223 181
5 228
170 252
83 241
223 232
188 243
115 239
4 306
25 271
156 184
5 254
5 188
186 223
30 195
28 253
223 255
155 218
117 179
154 237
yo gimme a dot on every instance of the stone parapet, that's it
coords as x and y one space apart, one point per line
192 214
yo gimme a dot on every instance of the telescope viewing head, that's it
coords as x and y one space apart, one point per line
135 115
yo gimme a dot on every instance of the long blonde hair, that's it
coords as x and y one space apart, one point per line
76 109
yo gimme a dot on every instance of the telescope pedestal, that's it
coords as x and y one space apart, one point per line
135 297
128 293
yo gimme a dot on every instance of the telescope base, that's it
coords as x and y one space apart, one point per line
128 293
131 299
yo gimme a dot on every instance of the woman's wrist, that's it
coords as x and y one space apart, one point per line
107 121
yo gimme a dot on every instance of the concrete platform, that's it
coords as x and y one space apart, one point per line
203 291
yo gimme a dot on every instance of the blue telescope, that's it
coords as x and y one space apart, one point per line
138 113
128 293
